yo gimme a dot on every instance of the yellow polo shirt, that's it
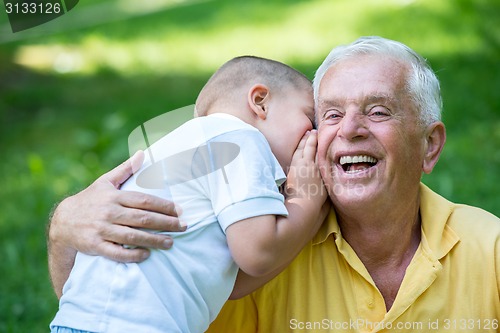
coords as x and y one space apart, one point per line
451 285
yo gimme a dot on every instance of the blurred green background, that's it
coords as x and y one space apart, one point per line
73 89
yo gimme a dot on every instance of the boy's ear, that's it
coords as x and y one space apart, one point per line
258 95
435 138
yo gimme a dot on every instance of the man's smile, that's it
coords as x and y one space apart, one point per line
356 163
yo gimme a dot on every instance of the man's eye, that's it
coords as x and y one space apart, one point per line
379 111
332 115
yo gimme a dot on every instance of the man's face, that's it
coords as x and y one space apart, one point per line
370 143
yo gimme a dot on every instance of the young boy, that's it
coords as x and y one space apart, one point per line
222 168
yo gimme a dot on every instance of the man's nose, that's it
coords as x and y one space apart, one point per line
353 126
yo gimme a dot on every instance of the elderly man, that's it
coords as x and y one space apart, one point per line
392 254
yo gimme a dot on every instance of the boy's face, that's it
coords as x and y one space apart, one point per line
290 115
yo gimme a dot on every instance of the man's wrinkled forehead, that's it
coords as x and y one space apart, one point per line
384 72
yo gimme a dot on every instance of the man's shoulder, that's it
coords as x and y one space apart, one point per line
467 211
469 214
474 223
435 208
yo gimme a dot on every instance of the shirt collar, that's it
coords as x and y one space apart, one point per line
329 226
434 211
224 116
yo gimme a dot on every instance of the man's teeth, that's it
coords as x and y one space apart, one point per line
357 163
357 159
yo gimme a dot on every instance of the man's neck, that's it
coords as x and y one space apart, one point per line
381 240
385 241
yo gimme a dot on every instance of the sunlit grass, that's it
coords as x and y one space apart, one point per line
300 33
72 91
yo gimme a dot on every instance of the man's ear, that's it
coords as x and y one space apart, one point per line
435 136
257 98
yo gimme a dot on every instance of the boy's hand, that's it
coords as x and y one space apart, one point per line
304 179
263 246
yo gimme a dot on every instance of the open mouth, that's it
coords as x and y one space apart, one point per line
357 163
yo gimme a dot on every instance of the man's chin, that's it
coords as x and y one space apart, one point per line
350 195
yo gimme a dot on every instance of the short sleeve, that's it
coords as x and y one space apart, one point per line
245 178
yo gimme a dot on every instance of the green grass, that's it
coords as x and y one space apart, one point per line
72 90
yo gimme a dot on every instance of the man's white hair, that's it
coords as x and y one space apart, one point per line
422 84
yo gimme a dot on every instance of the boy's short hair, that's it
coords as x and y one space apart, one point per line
243 72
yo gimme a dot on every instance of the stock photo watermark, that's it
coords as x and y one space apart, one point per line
24 14
440 325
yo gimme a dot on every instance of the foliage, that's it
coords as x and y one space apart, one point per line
72 90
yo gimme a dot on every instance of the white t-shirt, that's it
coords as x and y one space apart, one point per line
220 170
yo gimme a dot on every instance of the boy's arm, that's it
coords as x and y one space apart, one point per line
246 284
263 246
